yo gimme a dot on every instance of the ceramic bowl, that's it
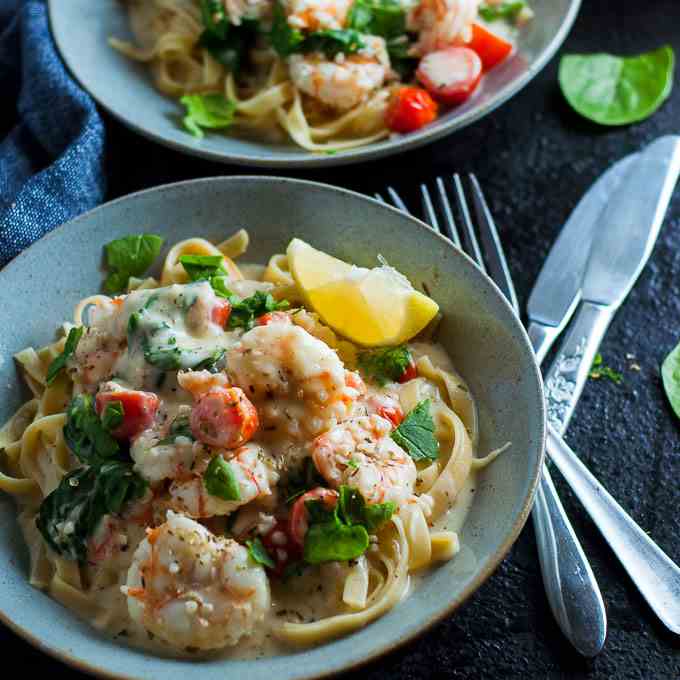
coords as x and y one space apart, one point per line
484 338
81 29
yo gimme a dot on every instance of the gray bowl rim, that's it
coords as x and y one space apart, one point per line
492 563
371 152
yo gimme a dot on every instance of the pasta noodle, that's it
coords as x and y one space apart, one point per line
100 491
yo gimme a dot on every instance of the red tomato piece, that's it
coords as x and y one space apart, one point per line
298 515
450 75
409 109
273 317
392 413
224 417
491 48
410 372
281 547
139 410
220 312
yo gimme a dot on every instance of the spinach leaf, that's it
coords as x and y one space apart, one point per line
416 433
612 90
385 365
210 111
202 267
504 10
244 312
215 19
259 554
341 534
86 435
59 363
220 481
670 375
385 18
129 256
287 40
70 514
113 414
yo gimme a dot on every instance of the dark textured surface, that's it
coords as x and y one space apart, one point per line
535 158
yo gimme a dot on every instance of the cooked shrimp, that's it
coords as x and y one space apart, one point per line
346 81
94 358
252 470
297 381
193 589
200 382
361 454
440 23
317 15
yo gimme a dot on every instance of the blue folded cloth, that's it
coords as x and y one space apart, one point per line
52 160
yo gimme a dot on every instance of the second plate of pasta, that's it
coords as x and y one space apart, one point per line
304 82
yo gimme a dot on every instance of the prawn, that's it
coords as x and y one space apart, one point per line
360 453
441 23
194 589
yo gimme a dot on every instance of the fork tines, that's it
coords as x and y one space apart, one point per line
439 214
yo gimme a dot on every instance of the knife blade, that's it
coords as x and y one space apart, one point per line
628 230
557 290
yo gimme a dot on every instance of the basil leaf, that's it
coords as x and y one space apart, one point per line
670 375
130 256
212 111
416 433
244 312
385 18
504 10
85 435
113 414
59 363
259 554
220 481
385 365
376 514
71 513
202 267
333 541
612 90
353 509
283 38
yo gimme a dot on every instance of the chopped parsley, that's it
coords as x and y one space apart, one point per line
385 365
113 414
600 370
416 433
59 363
244 312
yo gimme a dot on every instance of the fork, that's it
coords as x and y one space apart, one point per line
571 588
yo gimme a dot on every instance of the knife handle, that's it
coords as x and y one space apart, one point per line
568 373
542 337
656 576
570 585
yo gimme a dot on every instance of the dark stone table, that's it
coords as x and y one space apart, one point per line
534 158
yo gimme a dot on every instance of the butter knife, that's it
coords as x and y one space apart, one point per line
629 227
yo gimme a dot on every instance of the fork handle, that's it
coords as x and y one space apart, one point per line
656 576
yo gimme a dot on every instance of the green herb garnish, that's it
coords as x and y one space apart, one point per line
600 370
385 365
220 481
180 427
341 534
86 435
59 363
211 111
612 90
416 433
113 414
129 256
670 375
504 10
245 312
259 553
71 513
202 267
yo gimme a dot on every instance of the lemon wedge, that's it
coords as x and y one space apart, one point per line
371 307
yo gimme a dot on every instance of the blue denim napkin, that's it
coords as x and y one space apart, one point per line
52 160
